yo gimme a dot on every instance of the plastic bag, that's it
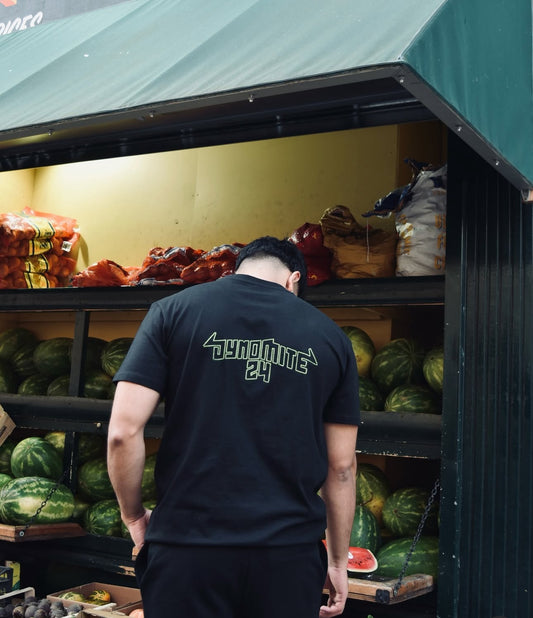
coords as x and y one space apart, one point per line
309 239
364 252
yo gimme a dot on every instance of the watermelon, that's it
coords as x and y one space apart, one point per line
58 387
365 529
90 446
148 489
96 384
4 478
370 397
8 378
398 362
93 352
360 559
6 449
412 398
80 506
22 360
35 456
363 348
433 368
52 356
93 480
114 353
424 559
403 510
12 340
103 518
36 384
372 488
21 497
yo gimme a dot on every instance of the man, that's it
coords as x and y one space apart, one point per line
261 412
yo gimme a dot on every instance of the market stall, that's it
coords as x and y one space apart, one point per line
215 87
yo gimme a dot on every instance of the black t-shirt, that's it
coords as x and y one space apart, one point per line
249 373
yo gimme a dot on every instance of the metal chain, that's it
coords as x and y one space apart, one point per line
417 536
50 493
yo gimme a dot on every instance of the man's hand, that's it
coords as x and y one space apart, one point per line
137 528
337 584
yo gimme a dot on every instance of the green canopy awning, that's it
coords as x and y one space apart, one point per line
469 63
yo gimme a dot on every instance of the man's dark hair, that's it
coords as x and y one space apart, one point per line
284 250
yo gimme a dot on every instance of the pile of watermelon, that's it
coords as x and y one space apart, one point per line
386 522
29 366
403 376
31 466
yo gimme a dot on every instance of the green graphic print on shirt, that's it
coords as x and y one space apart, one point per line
260 355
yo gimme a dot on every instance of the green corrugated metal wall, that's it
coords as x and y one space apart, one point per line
487 470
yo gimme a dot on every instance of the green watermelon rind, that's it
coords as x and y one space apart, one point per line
34 456
52 356
103 518
22 360
114 353
12 339
365 529
8 378
424 559
90 445
398 362
94 483
6 450
36 384
370 397
403 511
372 488
363 348
22 497
412 398
433 368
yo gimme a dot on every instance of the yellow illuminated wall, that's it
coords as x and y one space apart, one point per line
232 193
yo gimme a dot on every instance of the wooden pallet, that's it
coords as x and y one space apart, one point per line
40 532
381 590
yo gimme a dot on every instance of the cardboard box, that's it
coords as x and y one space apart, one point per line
120 595
6 425
122 610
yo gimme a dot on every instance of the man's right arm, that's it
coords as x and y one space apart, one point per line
338 493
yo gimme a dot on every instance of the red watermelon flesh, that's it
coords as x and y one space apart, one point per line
360 560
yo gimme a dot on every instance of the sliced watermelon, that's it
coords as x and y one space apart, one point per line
360 559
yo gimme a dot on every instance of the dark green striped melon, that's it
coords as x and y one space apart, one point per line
365 529
363 348
424 559
6 449
412 398
34 456
22 360
36 384
80 506
93 352
12 339
403 510
90 445
96 384
52 356
372 488
59 387
398 362
103 518
21 497
114 353
370 397
93 480
148 489
4 478
8 378
433 368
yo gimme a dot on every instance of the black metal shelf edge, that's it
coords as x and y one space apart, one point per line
356 292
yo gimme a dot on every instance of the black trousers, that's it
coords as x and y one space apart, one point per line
231 582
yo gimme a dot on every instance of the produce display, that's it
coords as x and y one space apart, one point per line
412 398
433 368
424 559
372 489
404 508
398 362
103 518
13 607
370 397
34 456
